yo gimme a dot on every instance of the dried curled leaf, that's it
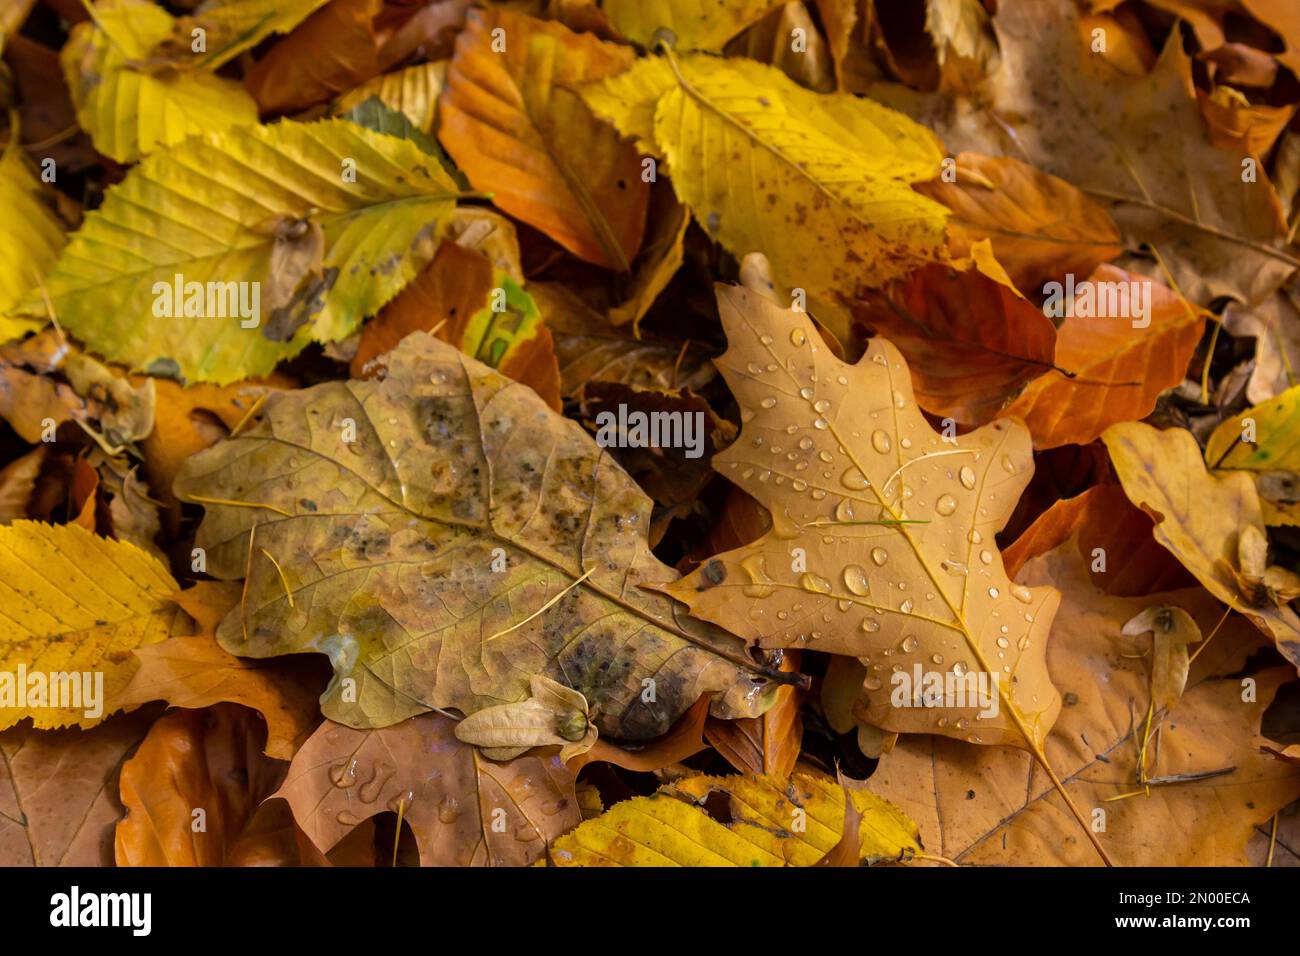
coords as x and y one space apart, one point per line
1202 520
445 537
554 715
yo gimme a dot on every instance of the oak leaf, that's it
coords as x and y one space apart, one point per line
883 532
59 799
1208 782
451 797
455 540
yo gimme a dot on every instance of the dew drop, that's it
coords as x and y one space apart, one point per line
880 441
906 606
805 443
854 479
879 556
761 584
797 337
768 402
844 510
1021 593
994 593
810 581
986 556
909 644
946 505
959 668
855 579
967 477
873 683
870 625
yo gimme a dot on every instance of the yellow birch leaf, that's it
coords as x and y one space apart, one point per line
200 211
774 822
76 603
130 109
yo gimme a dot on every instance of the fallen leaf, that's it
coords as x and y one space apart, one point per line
131 111
451 797
772 167
553 715
59 791
293 75
461 299
452 472
972 342
193 789
191 211
195 673
772 821
68 632
512 118
769 744
689 24
1041 227
1117 366
1199 518
987 806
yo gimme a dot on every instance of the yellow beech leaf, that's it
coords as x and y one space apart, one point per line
1203 520
774 821
512 119
93 601
413 92
216 214
233 26
130 110
31 236
819 183
1264 441
882 546
694 24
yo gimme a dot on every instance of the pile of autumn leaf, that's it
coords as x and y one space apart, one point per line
364 588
